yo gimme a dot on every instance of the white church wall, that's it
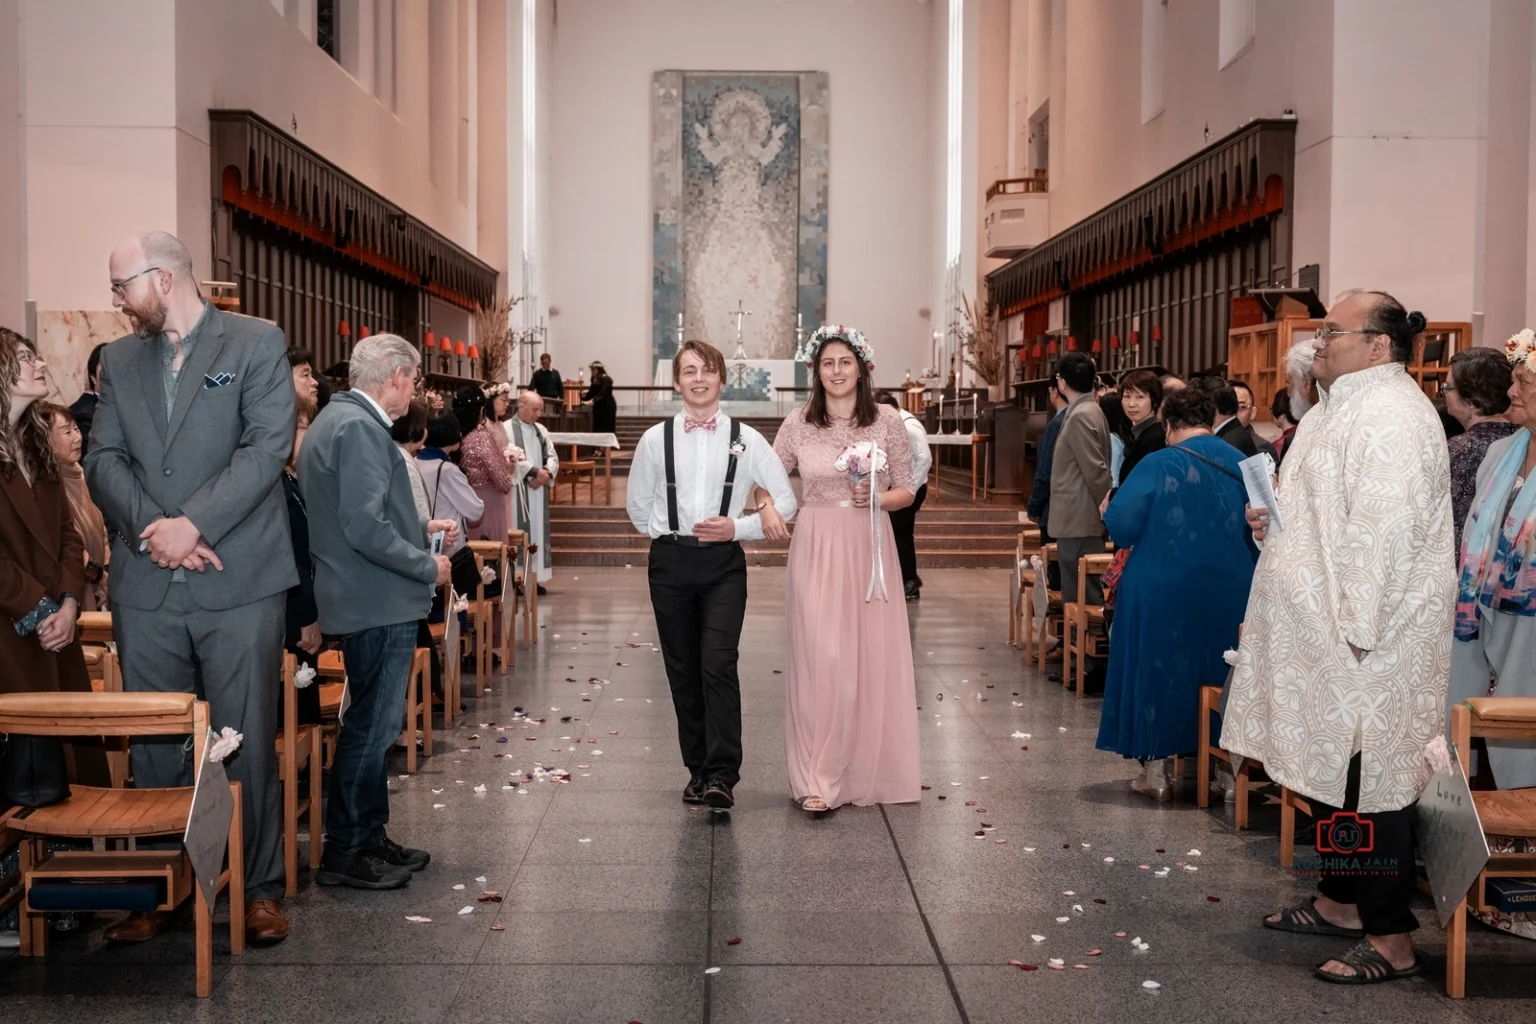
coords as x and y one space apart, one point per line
598 232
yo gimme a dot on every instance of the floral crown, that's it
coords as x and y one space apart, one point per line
501 390
1521 348
850 336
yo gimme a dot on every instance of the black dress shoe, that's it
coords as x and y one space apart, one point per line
542 591
392 853
914 591
718 795
361 870
693 793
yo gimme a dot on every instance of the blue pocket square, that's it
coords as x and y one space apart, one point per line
217 381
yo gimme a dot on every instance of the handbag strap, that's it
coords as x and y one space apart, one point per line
1210 461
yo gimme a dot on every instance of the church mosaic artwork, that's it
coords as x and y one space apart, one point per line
739 184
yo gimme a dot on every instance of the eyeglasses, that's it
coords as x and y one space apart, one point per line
1327 334
119 287
26 355
1448 389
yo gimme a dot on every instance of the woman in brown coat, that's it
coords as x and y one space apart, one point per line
41 553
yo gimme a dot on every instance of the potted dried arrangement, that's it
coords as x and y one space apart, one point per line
983 348
493 335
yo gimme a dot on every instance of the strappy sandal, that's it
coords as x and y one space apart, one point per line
1304 919
807 804
1371 968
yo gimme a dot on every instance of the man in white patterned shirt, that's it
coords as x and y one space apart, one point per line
688 488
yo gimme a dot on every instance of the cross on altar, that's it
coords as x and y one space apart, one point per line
741 311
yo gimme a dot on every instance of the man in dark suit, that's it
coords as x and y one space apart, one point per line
84 407
194 424
1245 411
547 382
1227 426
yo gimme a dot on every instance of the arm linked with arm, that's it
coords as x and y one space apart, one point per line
766 471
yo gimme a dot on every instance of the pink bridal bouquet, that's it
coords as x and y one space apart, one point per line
861 461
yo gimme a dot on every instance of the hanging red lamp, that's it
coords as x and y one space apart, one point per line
431 342
1114 341
344 329
1052 348
1096 347
363 332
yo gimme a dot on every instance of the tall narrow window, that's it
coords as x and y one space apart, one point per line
1238 23
954 130
530 301
328 27
384 52
1154 25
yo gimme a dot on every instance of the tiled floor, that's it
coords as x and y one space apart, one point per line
618 897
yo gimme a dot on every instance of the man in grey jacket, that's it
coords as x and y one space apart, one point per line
1079 480
189 437
374 578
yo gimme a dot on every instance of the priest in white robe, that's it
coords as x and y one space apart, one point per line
1342 672
537 481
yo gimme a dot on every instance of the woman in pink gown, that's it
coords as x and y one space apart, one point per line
484 464
851 703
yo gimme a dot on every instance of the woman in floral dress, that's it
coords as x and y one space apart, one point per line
851 698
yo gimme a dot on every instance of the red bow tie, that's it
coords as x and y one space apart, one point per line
690 424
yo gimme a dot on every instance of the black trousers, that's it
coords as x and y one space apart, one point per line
904 529
1369 860
699 595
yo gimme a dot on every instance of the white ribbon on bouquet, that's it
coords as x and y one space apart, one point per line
870 452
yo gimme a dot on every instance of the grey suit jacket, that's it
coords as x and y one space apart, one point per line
372 566
1080 471
218 461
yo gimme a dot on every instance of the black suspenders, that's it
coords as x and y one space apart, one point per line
671 481
730 473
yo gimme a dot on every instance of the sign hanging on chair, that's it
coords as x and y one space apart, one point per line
207 835
1451 839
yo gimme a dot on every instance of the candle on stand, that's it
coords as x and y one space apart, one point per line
975 424
799 321
941 412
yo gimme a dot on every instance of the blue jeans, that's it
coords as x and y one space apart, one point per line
378 668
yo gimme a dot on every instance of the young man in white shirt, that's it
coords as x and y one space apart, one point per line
689 484
904 520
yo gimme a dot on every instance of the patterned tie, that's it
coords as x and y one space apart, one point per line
690 424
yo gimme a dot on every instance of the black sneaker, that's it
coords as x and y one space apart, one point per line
718 795
364 869
693 793
392 853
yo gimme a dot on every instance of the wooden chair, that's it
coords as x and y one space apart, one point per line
573 471
1504 812
120 814
1210 700
1290 803
450 644
1020 611
418 703
11 890
1052 624
94 628
297 746
1083 632
492 613
517 542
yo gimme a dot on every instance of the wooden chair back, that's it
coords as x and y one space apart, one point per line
1508 812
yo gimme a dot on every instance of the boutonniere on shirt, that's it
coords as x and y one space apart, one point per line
738 447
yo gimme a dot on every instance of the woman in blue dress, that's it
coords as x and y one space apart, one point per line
1184 590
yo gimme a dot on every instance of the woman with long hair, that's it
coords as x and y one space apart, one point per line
42 558
851 727
1119 434
67 444
485 464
